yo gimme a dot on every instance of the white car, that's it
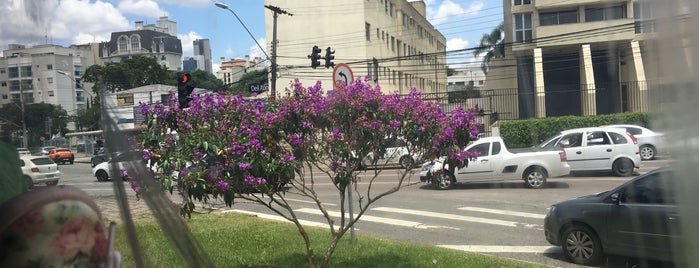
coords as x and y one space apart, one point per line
394 154
38 170
650 143
23 151
103 171
597 149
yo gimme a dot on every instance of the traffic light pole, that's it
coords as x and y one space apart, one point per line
24 123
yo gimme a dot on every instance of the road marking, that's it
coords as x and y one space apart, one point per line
460 218
403 223
277 218
504 212
502 249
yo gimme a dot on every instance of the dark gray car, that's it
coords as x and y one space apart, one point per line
640 219
99 157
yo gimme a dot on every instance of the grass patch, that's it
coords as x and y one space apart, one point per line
237 240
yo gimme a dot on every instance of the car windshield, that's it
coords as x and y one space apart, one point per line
549 143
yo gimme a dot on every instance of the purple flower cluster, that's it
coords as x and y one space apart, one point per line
252 180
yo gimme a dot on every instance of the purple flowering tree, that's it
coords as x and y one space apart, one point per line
227 147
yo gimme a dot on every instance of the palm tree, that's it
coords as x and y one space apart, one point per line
492 45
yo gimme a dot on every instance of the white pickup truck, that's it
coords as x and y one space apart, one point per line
496 163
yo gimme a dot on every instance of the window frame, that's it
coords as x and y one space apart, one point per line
523 30
558 14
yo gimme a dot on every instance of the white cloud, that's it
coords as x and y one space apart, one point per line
147 8
457 43
187 42
255 50
449 9
188 3
215 67
229 51
39 21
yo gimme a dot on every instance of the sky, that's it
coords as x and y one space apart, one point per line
66 22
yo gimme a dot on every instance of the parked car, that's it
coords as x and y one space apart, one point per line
61 155
650 143
38 170
496 163
394 154
99 156
23 151
640 218
597 149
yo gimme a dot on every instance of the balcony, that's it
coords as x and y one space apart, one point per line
587 32
541 4
80 98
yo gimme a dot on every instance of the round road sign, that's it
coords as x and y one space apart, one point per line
342 74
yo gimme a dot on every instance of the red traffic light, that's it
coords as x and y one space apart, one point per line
183 78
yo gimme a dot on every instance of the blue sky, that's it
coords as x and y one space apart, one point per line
67 22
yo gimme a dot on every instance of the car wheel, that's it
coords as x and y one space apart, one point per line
102 175
622 167
406 162
535 178
72 160
443 180
647 152
581 245
30 183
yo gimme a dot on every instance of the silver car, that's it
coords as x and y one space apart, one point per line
650 143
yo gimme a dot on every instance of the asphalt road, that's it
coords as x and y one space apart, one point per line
502 218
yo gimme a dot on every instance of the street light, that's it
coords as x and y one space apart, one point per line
273 60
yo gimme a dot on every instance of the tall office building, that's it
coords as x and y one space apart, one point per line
202 54
390 41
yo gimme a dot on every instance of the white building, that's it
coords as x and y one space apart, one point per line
232 70
389 40
46 74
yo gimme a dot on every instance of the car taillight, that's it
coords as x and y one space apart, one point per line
633 138
34 169
564 157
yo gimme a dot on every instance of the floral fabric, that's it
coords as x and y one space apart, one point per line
66 233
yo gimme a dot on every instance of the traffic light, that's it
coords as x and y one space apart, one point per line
183 90
329 57
315 57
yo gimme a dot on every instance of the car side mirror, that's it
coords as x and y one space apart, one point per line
615 198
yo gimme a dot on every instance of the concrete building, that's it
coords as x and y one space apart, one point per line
46 74
578 57
153 40
231 71
389 40
189 64
202 54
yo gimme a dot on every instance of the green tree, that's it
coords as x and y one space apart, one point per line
226 147
127 74
255 77
451 71
88 119
41 119
492 45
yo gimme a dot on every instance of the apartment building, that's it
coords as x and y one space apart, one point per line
390 41
46 74
152 40
575 57
232 70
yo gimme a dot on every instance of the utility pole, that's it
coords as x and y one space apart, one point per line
24 123
276 11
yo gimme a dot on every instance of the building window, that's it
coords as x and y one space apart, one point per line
522 2
4 96
2 70
135 43
3 84
49 80
558 17
367 30
605 13
523 27
123 44
26 84
50 93
644 18
14 85
49 66
13 72
26 71
393 43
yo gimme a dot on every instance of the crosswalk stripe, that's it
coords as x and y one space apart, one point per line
460 217
504 212
277 218
501 249
404 223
